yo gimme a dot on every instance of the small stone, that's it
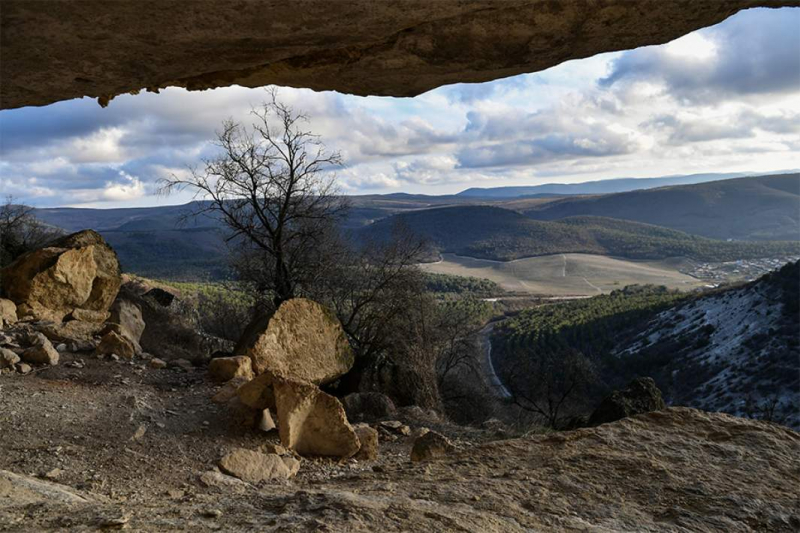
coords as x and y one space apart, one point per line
266 423
61 347
368 437
41 354
117 344
431 446
392 424
214 478
140 432
54 473
271 447
175 494
253 466
114 357
183 364
8 358
292 464
212 513
24 368
157 363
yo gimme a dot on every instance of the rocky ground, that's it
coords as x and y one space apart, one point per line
117 444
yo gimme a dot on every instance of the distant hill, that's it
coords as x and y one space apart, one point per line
594 187
490 232
755 208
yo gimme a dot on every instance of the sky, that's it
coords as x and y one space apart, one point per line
722 99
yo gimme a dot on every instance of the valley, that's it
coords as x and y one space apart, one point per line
567 274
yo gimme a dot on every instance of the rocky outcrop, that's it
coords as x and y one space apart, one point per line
302 341
352 46
312 422
641 396
78 272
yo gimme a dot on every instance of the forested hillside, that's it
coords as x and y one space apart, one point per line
489 232
756 208
733 350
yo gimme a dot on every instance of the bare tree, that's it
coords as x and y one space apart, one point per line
271 187
20 231
547 382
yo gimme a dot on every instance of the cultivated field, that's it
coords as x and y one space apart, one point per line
566 274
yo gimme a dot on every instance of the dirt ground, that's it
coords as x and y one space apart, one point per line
121 446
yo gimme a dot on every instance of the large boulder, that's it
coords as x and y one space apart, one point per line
312 422
114 343
76 272
641 396
302 341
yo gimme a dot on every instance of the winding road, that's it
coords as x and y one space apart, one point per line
495 383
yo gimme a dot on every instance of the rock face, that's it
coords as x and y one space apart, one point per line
641 396
227 368
73 273
352 46
302 341
254 467
312 422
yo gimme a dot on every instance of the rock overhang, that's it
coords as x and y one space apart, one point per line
53 50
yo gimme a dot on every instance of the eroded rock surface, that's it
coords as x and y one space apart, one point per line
302 341
76 272
60 50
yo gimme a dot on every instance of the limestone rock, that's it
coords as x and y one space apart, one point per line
78 271
8 312
302 341
266 423
641 396
312 422
292 464
431 446
72 332
227 368
8 358
23 368
356 46
114 343
258 393
87 315
254 467
368 438
129 317
368 406
43 354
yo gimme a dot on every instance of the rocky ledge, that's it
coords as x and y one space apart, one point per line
55 50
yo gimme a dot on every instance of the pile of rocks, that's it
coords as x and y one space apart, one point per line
282 361
66 294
